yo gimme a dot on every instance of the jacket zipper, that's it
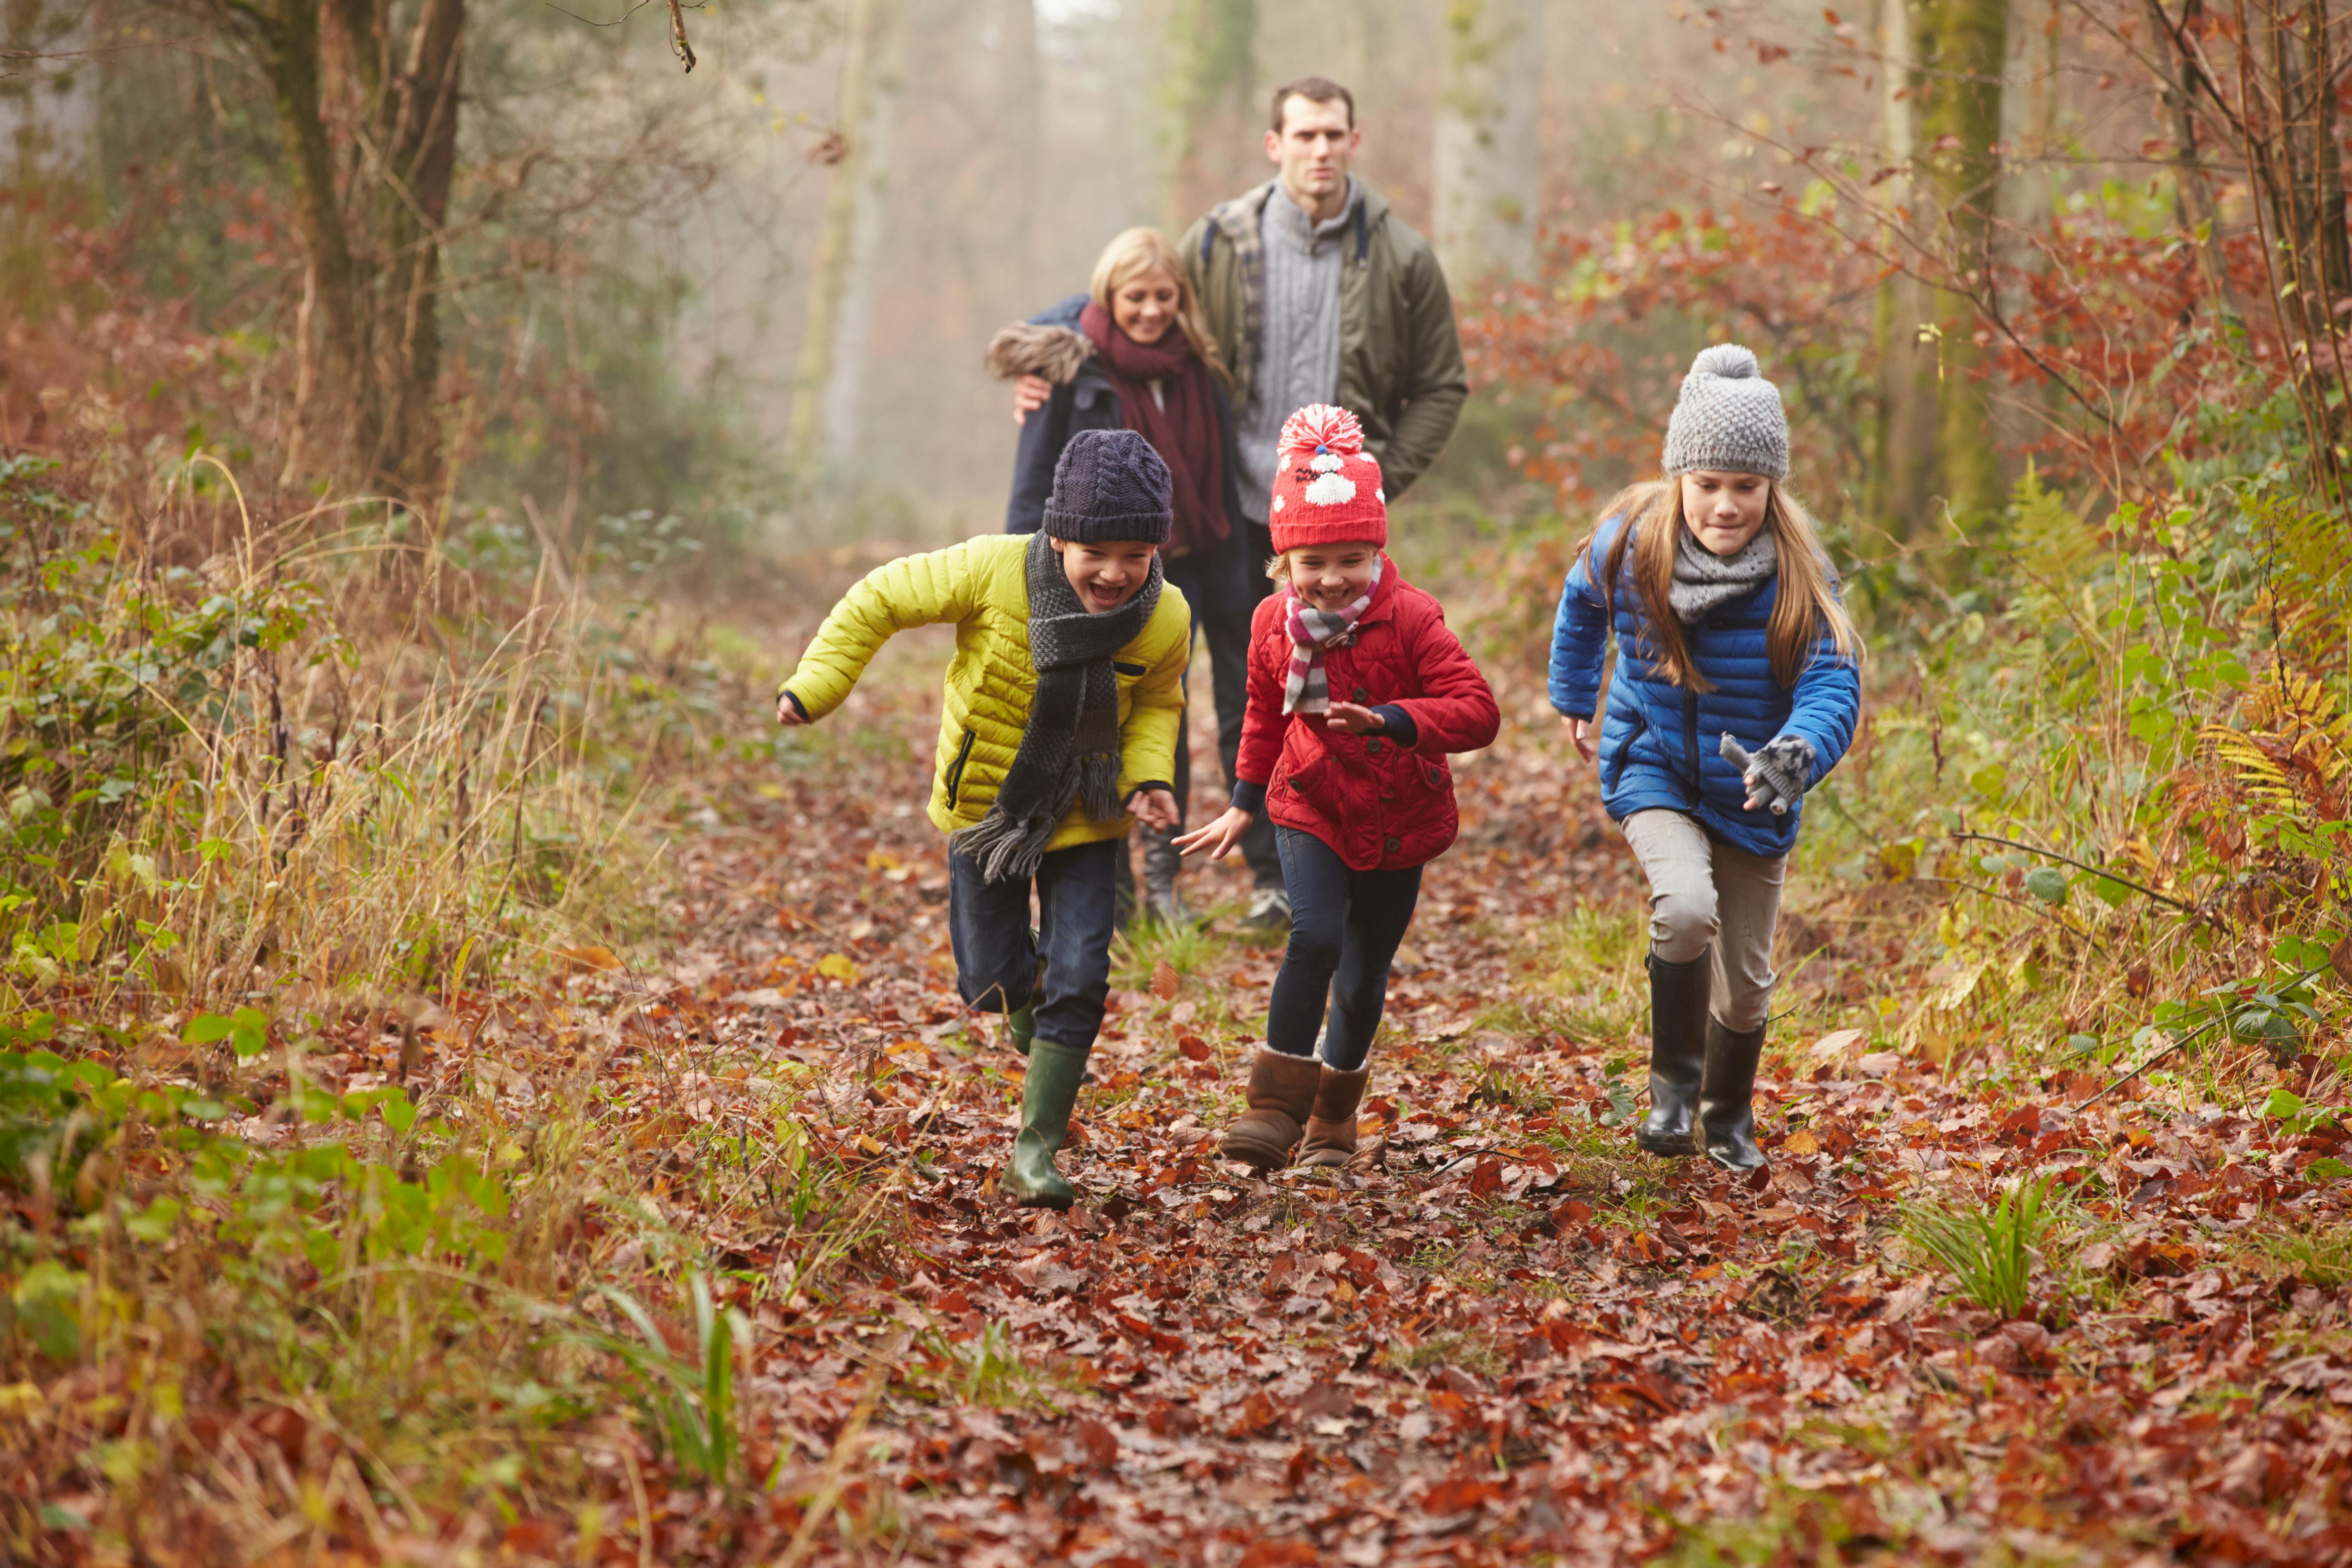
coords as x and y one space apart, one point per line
955 769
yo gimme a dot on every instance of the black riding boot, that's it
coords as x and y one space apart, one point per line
1727 1112
1677 1052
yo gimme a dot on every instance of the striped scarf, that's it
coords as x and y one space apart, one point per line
1305 689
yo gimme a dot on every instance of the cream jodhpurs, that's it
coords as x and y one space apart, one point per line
1707 895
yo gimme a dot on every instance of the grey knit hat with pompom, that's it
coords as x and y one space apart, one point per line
1729 418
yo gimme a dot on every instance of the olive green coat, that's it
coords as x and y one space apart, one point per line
1400 368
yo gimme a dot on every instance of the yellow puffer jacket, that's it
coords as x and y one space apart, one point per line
982 587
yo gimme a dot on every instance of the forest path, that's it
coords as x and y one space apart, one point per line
1509 1334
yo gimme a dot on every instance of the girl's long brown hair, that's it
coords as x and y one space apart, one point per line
1805 609
1136 251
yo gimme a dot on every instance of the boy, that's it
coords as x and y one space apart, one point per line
1062 703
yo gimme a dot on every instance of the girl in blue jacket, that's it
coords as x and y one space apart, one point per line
1736 690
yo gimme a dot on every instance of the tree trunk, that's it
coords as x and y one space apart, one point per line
420 142
370 223
1487 151
1212 100
2193 190
292 59
48 109
1907 479
1962 47
823 435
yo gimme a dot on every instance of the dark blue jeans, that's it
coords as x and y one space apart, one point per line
996 962
1344 928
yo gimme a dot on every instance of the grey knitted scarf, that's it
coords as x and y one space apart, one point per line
1069 748
1704 579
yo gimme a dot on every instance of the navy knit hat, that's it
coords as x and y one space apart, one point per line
1109 486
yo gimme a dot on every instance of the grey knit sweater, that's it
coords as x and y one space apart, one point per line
1300 360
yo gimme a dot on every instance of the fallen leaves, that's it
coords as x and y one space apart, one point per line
1500 1334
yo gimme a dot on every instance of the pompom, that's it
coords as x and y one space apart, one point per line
1727 360
1322 425
1330 489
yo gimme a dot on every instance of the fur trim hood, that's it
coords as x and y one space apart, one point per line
1041 348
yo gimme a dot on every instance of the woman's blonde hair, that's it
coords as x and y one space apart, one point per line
1139 250
1805 610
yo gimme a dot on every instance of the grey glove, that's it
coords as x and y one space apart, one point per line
1776 775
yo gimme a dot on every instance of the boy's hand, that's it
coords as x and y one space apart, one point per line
1580 732
1156 809
788 712
1354 720
1220 836
1030 393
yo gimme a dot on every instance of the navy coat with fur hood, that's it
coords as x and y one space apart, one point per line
1660 742
1217 583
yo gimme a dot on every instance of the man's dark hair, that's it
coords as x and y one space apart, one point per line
1314 89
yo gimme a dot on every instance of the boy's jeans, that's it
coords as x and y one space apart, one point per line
996 962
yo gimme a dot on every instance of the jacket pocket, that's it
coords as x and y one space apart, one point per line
1122 668
955 769
1309 782
1613 762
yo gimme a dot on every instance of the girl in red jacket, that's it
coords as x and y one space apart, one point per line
1357 692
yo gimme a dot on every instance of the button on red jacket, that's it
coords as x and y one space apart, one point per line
1379 805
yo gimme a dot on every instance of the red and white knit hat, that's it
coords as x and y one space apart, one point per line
1327 489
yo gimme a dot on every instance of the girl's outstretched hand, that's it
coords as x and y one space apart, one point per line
1156 809
1219 837
1580 732
788 712
1354 718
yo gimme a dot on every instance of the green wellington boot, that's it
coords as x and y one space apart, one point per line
1021 1022
1046 1096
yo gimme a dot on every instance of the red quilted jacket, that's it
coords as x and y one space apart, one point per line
1378 804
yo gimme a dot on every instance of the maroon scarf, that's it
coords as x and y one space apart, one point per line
1185 434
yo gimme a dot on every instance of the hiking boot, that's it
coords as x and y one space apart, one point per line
1726 1109
1047 1094
1331 1125
1269 913
1282 1090
1677 1053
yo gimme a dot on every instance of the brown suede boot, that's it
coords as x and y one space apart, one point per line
1281 1097
1331 1128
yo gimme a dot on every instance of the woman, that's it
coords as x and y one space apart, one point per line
1132 353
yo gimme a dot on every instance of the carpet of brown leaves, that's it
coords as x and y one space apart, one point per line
1506 1335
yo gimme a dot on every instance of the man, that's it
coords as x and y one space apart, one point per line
1317 292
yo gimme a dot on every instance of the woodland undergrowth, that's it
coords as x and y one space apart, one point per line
469 1092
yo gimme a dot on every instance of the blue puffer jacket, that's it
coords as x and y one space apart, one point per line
1659 741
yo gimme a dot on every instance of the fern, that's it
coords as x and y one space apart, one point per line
2294 750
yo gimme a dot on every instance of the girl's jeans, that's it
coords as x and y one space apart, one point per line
1707 896
1344 928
